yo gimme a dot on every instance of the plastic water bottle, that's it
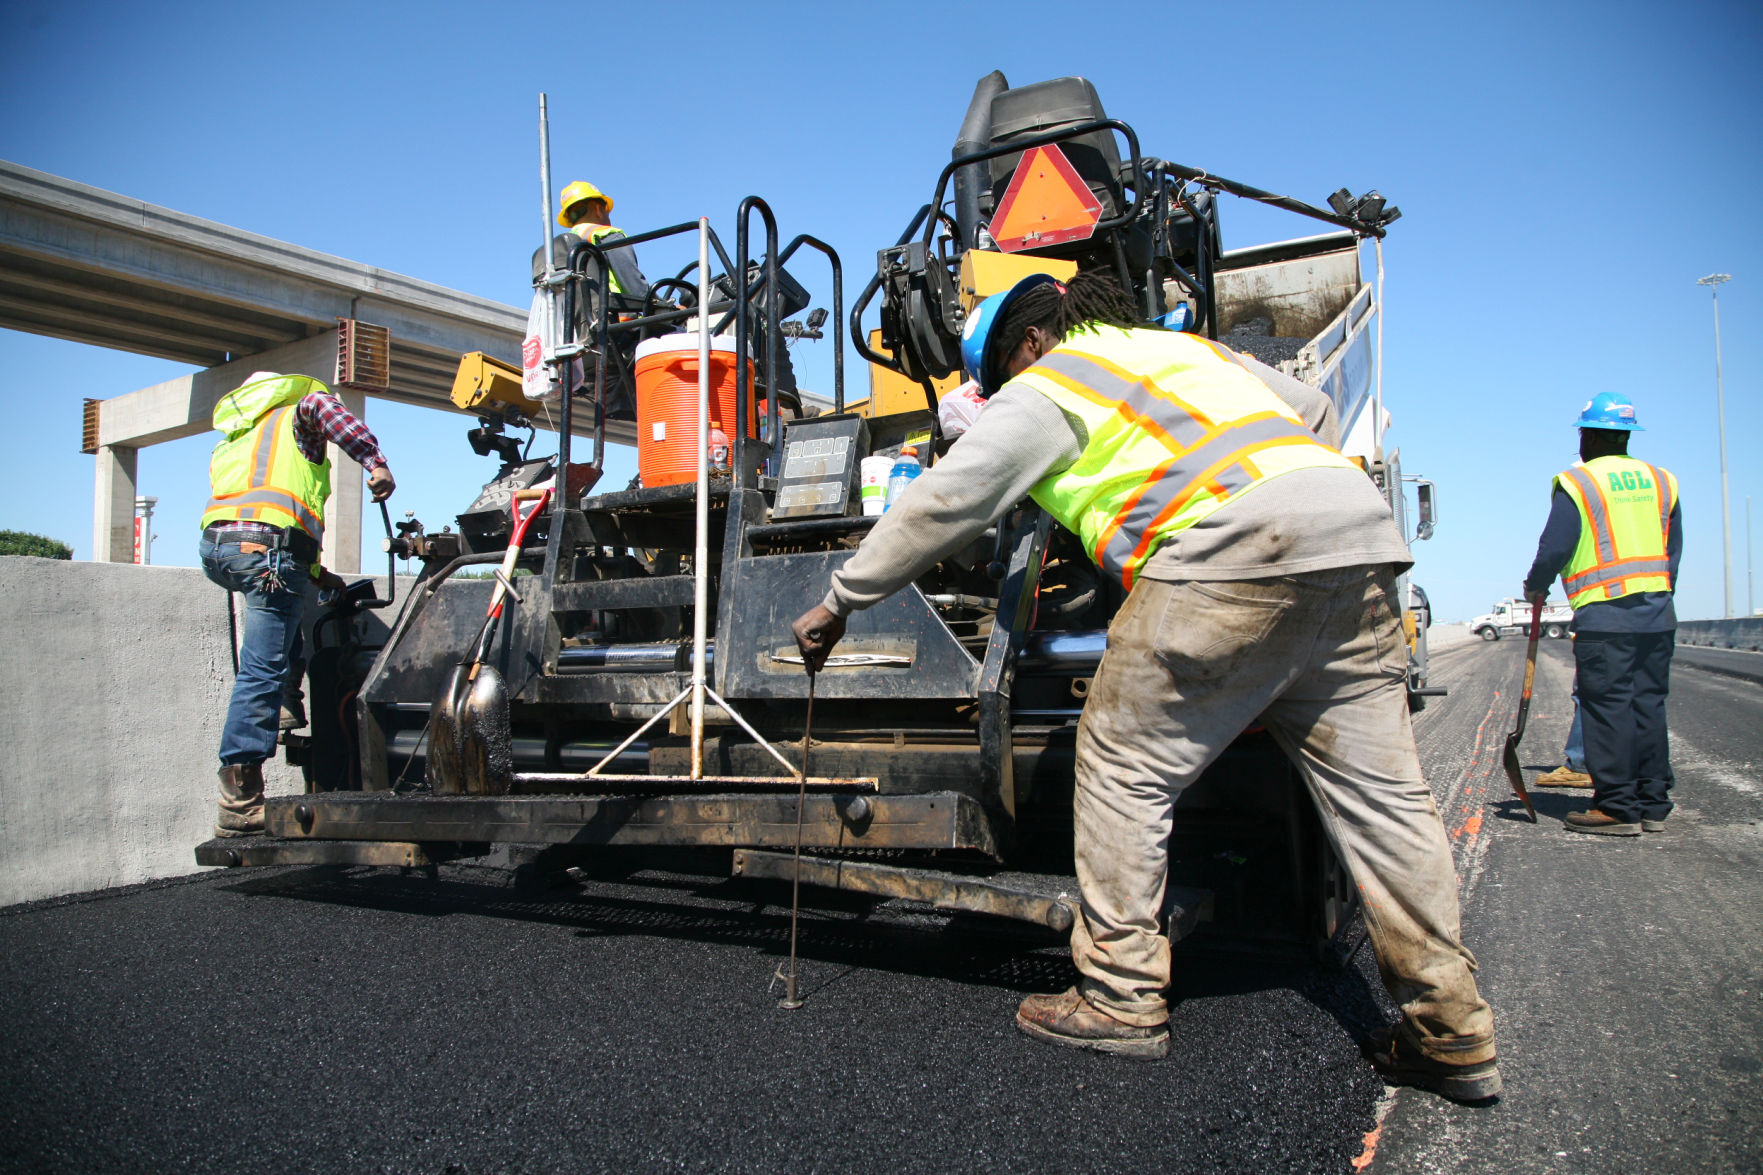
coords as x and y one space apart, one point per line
718 449
905 469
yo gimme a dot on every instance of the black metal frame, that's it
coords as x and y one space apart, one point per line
1143 176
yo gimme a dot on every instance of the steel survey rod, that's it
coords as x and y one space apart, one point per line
701 549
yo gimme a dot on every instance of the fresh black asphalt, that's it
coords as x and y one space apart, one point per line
364 1020
371 1022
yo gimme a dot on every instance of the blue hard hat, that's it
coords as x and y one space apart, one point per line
1611 410
976 334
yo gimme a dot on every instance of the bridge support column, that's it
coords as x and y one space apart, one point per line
113 505
342 512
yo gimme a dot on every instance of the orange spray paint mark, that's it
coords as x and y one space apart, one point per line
1370 1151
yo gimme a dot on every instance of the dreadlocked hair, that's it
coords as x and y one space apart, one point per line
1094 297
1089 299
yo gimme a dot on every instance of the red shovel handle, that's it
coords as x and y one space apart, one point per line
1530 659
523 522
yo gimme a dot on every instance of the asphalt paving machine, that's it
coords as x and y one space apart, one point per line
944 726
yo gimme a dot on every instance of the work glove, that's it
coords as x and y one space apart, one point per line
380 483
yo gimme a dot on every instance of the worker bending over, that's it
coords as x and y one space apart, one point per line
260 537
1615 536
1261 567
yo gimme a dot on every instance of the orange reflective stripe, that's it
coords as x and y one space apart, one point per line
1103 383
1129 514
1174 487
262 450
1662 487
1638 565
1223 352
1613 585
1597 510
252 503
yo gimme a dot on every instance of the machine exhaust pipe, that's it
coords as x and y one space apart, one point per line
976 135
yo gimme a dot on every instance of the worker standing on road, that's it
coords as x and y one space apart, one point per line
260 537
1615 535
1261 569
1572 772
586 211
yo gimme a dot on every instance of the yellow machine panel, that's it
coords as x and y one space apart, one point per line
891 392
984 274
489 387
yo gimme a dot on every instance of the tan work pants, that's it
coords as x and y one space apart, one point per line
1320 658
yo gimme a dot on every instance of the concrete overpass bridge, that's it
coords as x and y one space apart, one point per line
81 263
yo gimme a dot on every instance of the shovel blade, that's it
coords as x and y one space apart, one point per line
1515 772
444 771
486 747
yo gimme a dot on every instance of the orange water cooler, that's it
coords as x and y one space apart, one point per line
667 404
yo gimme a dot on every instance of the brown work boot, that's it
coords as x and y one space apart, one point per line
1071 1020
1600 823
1399 1061
241 800
1564 777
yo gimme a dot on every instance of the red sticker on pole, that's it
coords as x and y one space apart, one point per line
1047 203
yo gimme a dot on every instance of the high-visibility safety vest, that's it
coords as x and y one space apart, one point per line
258 474
593 234
1178 429
1624 529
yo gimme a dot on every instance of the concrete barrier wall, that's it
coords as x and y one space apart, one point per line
114 681
1744 632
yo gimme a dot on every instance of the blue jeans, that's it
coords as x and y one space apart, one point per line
274 586
1573 754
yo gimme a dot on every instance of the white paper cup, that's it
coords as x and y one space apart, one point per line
873 472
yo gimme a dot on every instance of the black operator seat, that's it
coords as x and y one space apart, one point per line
1045 107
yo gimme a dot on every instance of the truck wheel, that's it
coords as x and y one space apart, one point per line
1555 632
1489 634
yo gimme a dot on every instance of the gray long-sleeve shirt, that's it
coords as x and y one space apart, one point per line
1306 520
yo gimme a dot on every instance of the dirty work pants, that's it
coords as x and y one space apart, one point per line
1623 679
1320 658
273 584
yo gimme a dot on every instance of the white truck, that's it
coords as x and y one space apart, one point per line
1511 617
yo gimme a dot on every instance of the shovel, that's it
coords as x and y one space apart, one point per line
1514 772
470 750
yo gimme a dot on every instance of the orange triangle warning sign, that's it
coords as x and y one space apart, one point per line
1047 203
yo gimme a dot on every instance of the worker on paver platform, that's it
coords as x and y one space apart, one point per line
1615 536
586 211
1261 567
260 537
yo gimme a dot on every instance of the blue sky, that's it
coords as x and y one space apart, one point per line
1567 171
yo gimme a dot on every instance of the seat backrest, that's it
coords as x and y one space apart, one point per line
1027 111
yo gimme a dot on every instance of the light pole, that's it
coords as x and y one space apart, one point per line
1713 282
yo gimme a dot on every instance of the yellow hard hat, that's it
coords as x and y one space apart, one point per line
574 194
